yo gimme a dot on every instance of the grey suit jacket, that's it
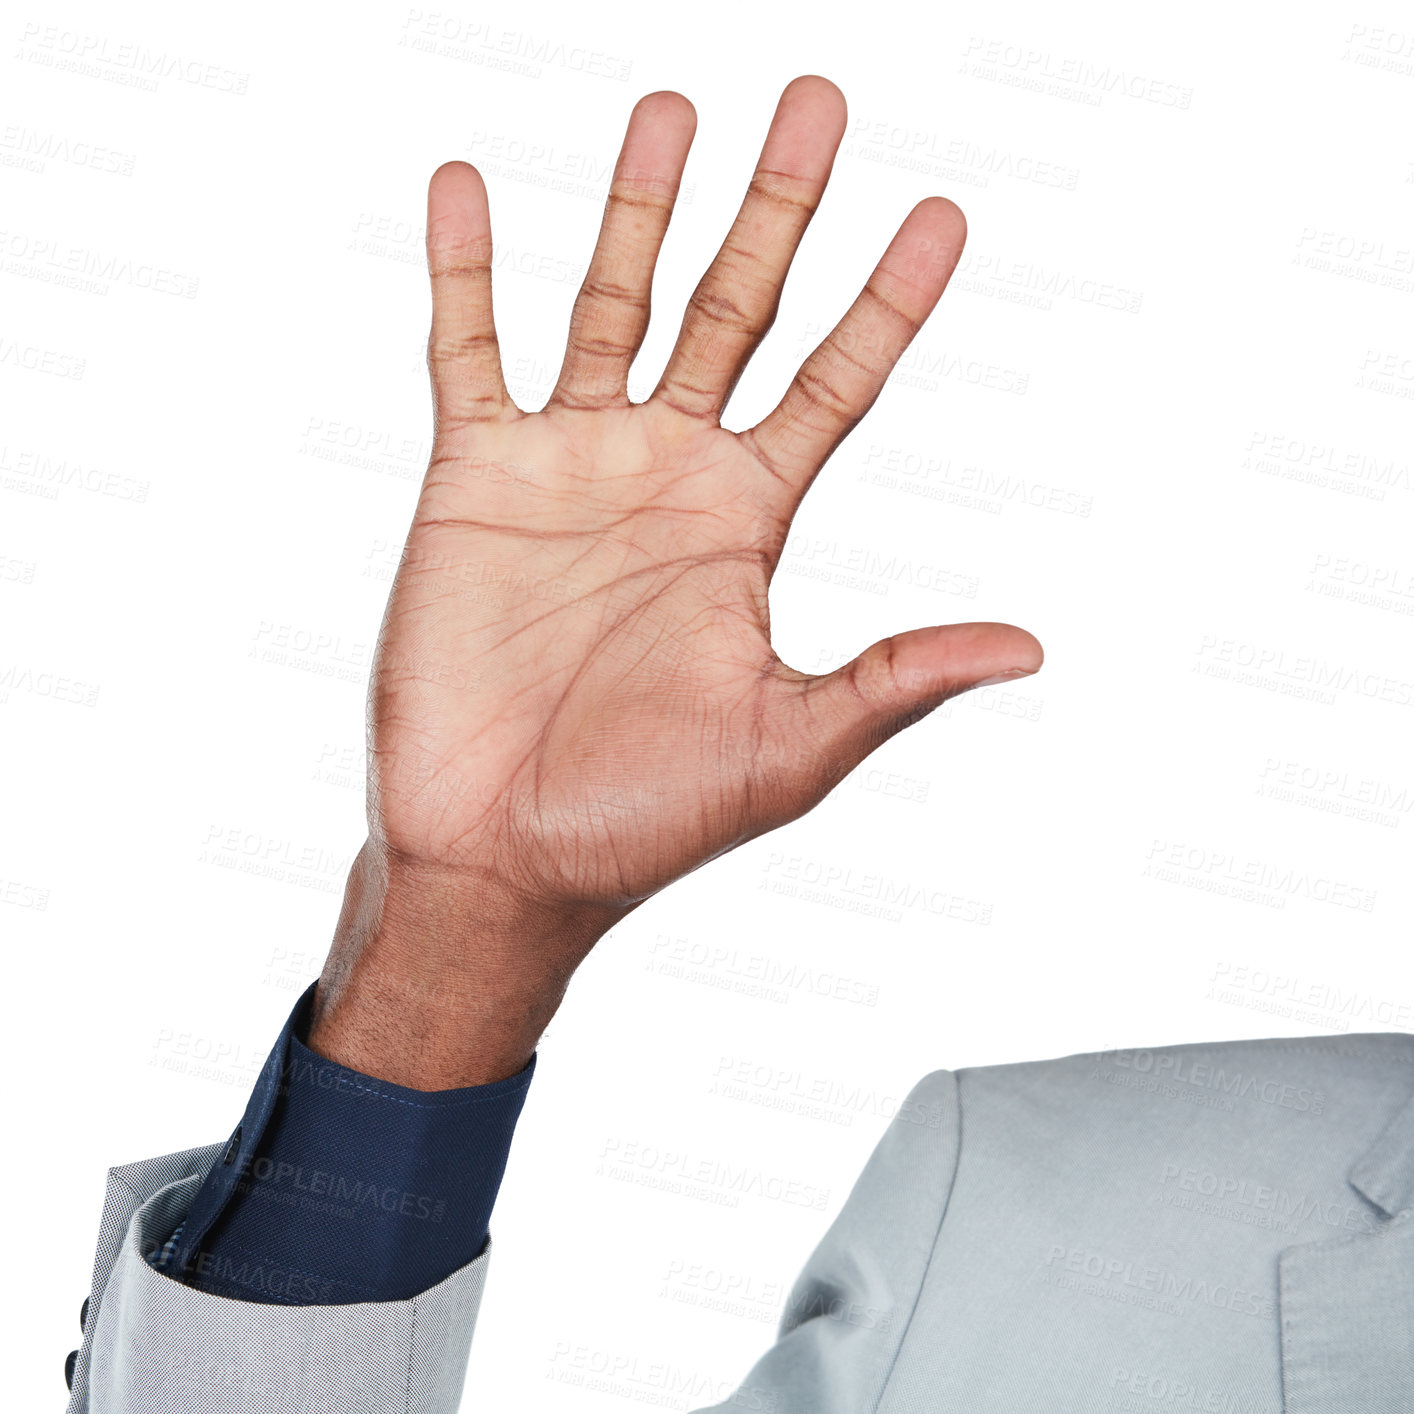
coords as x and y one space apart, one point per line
1226 1229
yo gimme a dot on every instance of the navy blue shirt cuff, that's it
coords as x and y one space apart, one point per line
338 1188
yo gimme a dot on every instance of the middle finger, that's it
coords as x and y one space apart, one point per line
736 301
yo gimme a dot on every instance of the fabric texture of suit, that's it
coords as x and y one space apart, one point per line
1226 1229
152 1344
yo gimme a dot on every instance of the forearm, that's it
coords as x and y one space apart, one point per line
396 1083
439 978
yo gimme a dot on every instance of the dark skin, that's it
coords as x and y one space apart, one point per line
575 700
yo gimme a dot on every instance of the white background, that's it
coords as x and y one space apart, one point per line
1161 419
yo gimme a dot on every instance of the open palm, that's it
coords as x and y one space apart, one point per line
575 688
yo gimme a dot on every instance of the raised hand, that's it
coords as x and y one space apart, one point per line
575 699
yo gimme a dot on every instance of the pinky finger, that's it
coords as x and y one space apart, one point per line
463 355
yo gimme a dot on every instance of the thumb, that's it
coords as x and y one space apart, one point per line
899 680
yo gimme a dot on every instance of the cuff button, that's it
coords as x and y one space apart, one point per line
73 1359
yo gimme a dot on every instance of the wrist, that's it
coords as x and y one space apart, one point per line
439 979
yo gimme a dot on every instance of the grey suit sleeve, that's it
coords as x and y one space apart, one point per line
848 1310
153 1345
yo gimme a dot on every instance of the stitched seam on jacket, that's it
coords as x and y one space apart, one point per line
117 1174
932 1250
412 1349
234 1289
